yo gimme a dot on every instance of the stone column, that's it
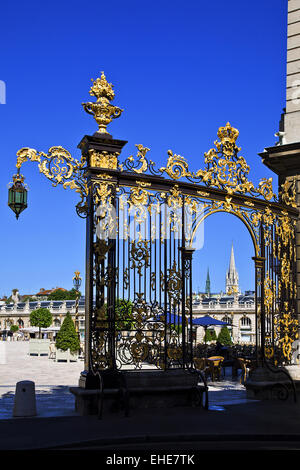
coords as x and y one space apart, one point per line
284 157
292 116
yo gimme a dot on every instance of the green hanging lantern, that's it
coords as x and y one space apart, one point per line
17 195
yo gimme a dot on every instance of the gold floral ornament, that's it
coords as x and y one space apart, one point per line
288 192
287 331
270 294
102 110
285 229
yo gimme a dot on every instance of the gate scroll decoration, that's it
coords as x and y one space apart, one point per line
142 223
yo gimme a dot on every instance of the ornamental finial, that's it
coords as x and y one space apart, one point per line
228 134
103 111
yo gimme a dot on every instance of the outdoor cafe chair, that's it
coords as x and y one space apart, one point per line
246 366
203 366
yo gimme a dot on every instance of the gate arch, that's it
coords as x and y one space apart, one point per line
250 230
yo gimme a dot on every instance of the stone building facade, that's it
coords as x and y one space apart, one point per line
19 313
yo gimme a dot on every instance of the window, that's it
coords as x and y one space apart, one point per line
246 322
227 320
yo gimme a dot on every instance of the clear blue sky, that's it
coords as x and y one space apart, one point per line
180 70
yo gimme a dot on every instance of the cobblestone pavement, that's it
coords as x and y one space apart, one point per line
53 379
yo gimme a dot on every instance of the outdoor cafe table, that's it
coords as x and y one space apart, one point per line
216 362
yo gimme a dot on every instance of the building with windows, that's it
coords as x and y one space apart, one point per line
18 313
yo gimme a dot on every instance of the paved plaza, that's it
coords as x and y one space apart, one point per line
18 365
53 379
232 421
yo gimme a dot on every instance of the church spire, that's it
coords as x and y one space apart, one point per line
232 267
207 284
232 277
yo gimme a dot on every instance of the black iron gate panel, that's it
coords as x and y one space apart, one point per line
142 278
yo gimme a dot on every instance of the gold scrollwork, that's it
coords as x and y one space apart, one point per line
177 166
139 255
60 168
141 159
174 282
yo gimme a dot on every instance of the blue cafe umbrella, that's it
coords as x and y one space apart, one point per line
208 321
205 321
171 318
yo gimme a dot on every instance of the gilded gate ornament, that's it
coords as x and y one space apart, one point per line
102 111
225 168
174 280
288 192
287 326
103 159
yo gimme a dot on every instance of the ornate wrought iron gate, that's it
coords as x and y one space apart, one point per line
142 249
142 224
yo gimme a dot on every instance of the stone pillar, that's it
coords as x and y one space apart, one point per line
284 157
292 116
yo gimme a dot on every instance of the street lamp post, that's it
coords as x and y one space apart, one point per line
77 283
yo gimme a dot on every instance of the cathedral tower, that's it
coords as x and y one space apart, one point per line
232 277
207 284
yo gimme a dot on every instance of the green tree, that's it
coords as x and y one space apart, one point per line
213 335
67 338
14 328
64 294
29 298
177 328
207 336
124 316
41 317
224 337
